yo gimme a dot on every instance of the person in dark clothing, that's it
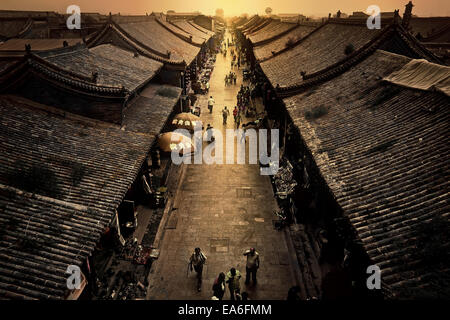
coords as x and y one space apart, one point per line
293 294
252 265
197 261
219 286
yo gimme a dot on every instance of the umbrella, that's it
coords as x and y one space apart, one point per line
185 120
174 141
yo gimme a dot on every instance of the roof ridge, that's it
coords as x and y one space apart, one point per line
134 43
276 37
188 40
26 27
338 67
295 43
197 27
63 77
356 57
259 26
438 33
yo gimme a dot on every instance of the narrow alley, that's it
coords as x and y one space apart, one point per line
223 209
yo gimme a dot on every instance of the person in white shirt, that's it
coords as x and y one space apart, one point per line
210 104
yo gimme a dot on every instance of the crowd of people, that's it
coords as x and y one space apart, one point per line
230 78
231 279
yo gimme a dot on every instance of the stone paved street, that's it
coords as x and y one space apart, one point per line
224 210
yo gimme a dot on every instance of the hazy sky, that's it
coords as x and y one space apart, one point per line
231 7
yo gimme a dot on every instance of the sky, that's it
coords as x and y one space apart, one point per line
231 7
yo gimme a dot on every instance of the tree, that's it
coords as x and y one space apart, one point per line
268 11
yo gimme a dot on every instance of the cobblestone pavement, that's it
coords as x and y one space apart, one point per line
224 210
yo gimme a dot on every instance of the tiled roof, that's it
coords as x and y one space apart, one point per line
73 173
115 66
37 44
266 50
261 23
322 48
190 29
151 109
155 36
433 29
239 21
250 23
204 30
192 38
384 151
325 49
10 28
12 75
273 29
39 238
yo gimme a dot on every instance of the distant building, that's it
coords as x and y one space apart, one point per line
290 17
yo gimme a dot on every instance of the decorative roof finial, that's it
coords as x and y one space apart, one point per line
407 15
396 17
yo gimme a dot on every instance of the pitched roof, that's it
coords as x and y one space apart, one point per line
384 151
325 48
202 29
14 27
37 44
249 23
266 50
153 35
40 238
190 29
270 31
432 29
261 23
13 74
62 178
114 65
239 21
149 112
320 49
192 38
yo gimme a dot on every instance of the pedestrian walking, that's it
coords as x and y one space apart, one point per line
219 286
210 104
234 78
238 120
233 278
225 114
252 265
196 262
235 112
